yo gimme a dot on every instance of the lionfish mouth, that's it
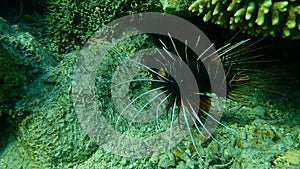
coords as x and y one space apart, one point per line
181 81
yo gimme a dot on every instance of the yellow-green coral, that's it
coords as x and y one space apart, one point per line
264 17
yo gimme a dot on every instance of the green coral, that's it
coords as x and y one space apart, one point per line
264 17
177 7
71 22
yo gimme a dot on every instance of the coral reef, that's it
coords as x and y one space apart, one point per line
22 60
50 136
257 143
177 7
264 17
71 22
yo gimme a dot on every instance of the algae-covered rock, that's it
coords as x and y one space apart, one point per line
31 86
263 17
51 135
23 59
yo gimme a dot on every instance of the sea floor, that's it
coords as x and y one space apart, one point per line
265 135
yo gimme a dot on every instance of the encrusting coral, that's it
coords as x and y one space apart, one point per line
264 17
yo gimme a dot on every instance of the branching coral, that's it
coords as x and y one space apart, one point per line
264 17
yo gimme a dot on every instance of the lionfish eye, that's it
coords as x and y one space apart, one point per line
162 73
